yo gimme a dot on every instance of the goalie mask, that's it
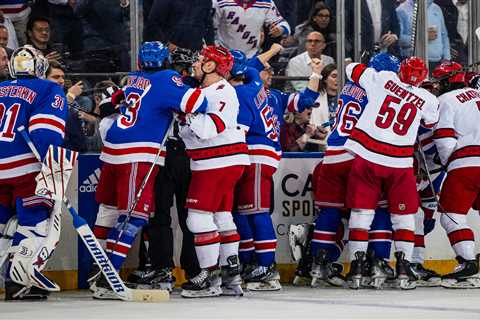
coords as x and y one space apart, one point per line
27 61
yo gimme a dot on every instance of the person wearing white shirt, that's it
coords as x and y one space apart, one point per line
462 25
300 65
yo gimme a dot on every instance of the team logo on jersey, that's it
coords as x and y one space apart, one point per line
90 184
402 206
178 81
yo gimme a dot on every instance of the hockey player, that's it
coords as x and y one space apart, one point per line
40 106
254 190
239 24
329 186
132 145
216 145
383 141
457 138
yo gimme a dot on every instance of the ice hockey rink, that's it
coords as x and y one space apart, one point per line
290 303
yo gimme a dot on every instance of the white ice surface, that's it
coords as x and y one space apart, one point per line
291 303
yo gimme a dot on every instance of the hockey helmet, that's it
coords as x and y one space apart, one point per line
413 71
27 61
384 62
153 55
472 80
221 56
184 57
449 70
239 63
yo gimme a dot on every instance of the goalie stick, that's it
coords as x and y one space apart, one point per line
99 254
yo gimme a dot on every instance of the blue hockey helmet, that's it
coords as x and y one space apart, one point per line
239 63
153 55
384 62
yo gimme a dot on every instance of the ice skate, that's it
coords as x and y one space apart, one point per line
153 279
263 279
102 290
465 275
15 291
357 269
302 274
405 278
231 279
376 271
425 277
325 273
205 284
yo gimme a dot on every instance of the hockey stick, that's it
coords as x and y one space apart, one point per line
430 182
413 36
99 254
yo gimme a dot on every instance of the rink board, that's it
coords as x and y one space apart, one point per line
293 204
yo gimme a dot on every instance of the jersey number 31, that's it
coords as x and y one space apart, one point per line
8 117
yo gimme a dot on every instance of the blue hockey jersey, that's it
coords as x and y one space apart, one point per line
269 106
351 102
138 134
38 105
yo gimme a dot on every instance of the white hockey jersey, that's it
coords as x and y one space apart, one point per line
214 139
457 134
238 24
386 131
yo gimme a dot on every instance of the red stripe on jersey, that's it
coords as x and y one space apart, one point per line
291 105
444 133
419 241
126 151
51 122
219 124
427 141
270 245
206 238
427 125
404 235
465 152
262 152
334 152
17 163
384 235
318 235
192 100
381 147
220 151
461 235
13 10
358 235
357 72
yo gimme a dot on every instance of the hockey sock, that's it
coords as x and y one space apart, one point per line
229 237
246 250
118 250
403 233
327 224
264 238
206 237
418 255
460 235
107 217
380 234
360 221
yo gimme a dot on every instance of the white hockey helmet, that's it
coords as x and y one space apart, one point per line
27 61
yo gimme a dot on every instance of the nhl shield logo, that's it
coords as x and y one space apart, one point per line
401 206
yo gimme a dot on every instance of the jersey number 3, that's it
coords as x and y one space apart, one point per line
401 120
7 121
130 115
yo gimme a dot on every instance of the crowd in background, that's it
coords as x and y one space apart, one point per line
93 36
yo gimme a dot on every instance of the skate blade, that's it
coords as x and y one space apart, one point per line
406 284
470 283
365 282
301 281
272 285
377 282
355 282
319 283
210 292
432 282
336 282
232 291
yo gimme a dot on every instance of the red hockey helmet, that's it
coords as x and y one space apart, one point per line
413 71
221 56
449 70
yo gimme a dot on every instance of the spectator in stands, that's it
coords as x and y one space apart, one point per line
380 27
321 20
6 24
438 42
3 64
183 23
323 117
38 35
4 40
455 14
18 12
299 66
105 33
296 132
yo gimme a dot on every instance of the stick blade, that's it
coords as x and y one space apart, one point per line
141 295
